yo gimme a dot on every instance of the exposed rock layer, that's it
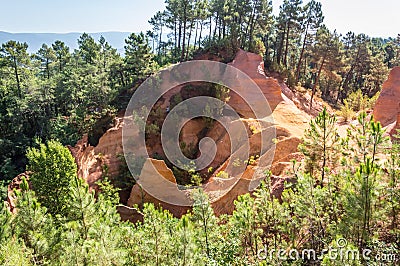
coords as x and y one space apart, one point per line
289 121
387 108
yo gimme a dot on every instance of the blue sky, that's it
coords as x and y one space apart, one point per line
373 17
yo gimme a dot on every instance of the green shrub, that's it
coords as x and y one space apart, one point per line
53 170
346 111
222 174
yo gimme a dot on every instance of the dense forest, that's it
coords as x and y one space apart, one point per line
53 97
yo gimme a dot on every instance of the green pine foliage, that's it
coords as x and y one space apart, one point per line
320 145
392 191
59 94
358 202
53 169
346 187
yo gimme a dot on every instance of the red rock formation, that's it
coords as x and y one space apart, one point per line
15 185
151 170
253 66
290 124
396 128
190 132
387 107
91 160
289 121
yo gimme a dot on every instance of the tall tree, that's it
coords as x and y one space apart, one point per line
327 55
16 57
88 49
62 54
46 56
292 13
138 57
320 145
312 22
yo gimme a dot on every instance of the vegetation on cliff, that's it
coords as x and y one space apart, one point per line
345 194
352 196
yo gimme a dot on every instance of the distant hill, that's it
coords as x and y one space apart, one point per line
35 40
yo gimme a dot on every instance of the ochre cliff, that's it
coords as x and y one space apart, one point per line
92 160
387 107
289 121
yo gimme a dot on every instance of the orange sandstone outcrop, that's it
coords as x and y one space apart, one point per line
289 125
151 169
15 185
387 107
92 160
253 66
394 130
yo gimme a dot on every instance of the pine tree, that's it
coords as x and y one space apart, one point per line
16 57
138 57
271 216
320 145
245 219
35 226
363 187
312 22
62 54
92 234
89 50
46 57
327 55
205 220
291 12
5 219
393 193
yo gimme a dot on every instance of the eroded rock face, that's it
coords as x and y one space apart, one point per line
387 108
15 185
190 132
165 186
289 125
395 130
253 66
91 161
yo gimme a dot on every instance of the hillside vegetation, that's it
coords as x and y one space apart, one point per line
343 194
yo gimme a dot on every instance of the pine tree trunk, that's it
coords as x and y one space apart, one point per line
179 35
47 68
184 31
250 27
216 25
60 63
175 34
209 36
195 36
348 75
316 81
287 44
324 155
159 41
201 31
188 42
239 27
301 55
17 77
280 49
